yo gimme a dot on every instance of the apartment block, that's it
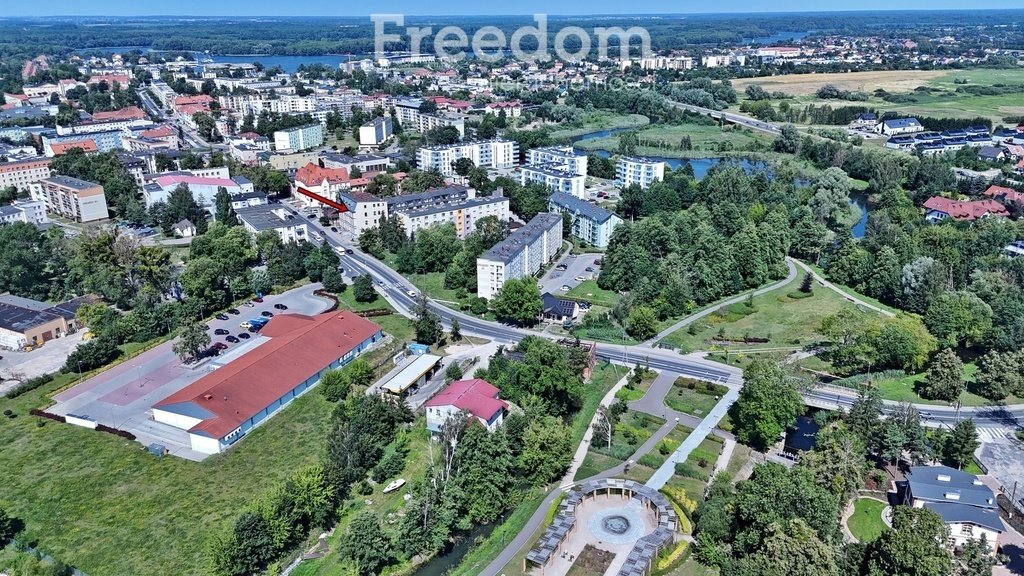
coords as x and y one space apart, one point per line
640 171
519 255
457 205
570 159
497 153
591 224
23 173
375 132
276 217
554 177
27 211
299 138
364 211
72 198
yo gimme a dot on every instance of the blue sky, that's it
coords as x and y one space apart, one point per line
443 7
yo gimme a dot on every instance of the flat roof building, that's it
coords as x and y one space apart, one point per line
72 198
410 374
276 217
554 177
221 407
457 205
519 255
497 153
26 322
23 173
639 171
376 131
590 223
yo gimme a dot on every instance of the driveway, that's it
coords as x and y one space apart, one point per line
122 396
50 357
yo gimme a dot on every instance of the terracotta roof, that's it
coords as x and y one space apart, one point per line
110 79
965 211
476 396
1008 194
299 347
313 175
197 99
162 131
129 113
172 180
87 145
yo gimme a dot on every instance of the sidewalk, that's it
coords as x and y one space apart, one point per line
581 450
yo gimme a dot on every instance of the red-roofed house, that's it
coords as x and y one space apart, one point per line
450 104
477 398
87 145
121 79
129 113
512 108
1006 194
326 182
221 407
939 208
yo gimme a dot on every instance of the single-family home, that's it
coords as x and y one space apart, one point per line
555 309
185 229
866 119
897 126
991 153
476 397
1007 195
939 208
965 503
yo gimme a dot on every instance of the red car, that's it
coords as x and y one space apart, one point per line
220 345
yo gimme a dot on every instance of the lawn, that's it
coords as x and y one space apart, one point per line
696 401
395 324
107 506
693 568
433 285
786 323
591 561
805 84
665 140
657 456
597 120
905 390
866 522
627 394
588 290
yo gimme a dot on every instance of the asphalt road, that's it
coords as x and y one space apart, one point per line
740 119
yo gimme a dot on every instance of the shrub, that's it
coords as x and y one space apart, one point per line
390 465
363 488
29 385
664 449
798 295
687 470
649 460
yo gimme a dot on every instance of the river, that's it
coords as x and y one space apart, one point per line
442 563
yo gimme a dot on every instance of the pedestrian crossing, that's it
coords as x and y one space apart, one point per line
990 434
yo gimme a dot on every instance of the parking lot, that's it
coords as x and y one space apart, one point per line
122 396
50 357
576 271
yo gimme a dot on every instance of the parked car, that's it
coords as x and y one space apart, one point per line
334 228
564 288
561 267
580 278
220 331
266 314
311 216
233 311
244 335
250 304
258 299
222 316
597 262
280 306
220 345
232 339
588 269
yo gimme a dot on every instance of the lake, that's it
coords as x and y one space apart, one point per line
777 37
287 63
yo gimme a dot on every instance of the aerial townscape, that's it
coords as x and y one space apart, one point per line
637 289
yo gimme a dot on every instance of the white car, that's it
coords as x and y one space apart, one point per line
412 294
564 288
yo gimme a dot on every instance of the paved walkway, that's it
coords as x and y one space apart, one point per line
723 459
713 307
843 293
588 436
662 474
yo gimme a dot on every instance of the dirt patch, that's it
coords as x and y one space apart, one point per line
591 561
801 84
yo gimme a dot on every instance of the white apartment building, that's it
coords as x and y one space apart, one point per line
23 173
570 159
203 188
519 255
640 171
497 153
72 198
277 217
27 211
299 138
376 131
364 211
407 110
591 224
552 176
457 205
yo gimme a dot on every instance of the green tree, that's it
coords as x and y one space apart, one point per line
254 544
793 550
225 213
957 318
6 527
453 372
335 385
884 282
362 289
976 558
456 330
366 542
960 444
462 166
332 280
831 199
768 403
519 301
642 323
775 495
546 450
945 377
427 323
193 338
865 415
916 545
998 375
837 461
92 354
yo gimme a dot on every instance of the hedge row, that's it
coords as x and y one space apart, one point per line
29 385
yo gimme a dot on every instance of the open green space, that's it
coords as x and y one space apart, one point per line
667 139
657 456
596 120
866 522
107 506
631 393
690 567
905 390
432 284
786 323
589 290
693 397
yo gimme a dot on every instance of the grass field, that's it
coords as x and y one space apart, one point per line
107 506
787 323
691 401
866 523
943 101
588 290
705 140
598 120
905 390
